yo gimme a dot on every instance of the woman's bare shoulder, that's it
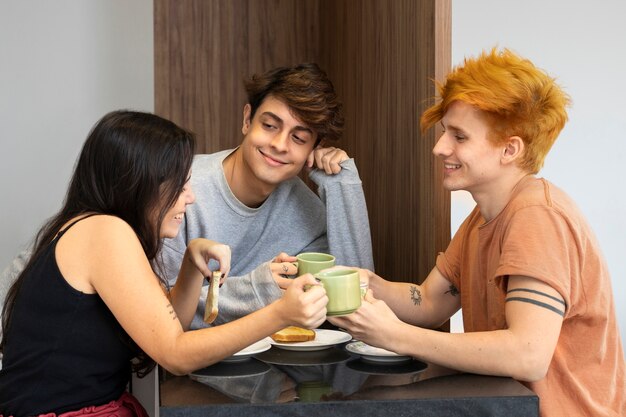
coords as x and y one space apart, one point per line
101 232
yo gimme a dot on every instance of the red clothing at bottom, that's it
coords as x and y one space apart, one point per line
125 406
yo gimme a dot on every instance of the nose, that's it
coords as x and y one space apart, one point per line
279 141
441 148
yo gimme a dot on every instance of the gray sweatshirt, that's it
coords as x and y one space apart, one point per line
293 219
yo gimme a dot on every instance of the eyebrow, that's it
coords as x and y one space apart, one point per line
279 120
452 127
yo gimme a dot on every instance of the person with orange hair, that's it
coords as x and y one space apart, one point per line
525 266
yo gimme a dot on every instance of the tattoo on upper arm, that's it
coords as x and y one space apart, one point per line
172 311
537 302
453 291
558 300
416 295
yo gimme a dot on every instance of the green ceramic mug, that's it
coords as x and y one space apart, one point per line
343 289
312 391
314 262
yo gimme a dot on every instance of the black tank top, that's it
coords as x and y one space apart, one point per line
64 349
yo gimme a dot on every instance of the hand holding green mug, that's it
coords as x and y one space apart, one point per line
342 289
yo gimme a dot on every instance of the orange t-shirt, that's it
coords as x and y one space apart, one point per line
542 234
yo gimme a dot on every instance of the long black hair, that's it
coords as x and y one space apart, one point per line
132 165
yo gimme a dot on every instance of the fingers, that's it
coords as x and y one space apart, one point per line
283 268
284 257
319 321
306 279
222 279
283 283
219 252
307 300
329 159
224 269
310 160
202 266
203 250
369 296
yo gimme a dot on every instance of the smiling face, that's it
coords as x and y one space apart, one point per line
276 144
174 216
471 161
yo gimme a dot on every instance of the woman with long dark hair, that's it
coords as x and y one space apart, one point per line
90 302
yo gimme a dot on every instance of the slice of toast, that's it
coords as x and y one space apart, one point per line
293 334
211 309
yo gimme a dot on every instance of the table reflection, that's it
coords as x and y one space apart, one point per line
282 376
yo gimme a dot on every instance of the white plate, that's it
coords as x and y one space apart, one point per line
374 354
324 339
229 370
245 354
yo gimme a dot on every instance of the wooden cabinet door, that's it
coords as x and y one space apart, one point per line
382 56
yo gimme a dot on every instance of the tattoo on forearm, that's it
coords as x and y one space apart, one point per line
416 295
453 291
172 311
537 302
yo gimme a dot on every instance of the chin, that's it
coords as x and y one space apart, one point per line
169 233
274 178
449 187
452 185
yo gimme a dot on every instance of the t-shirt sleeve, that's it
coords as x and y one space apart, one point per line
539 243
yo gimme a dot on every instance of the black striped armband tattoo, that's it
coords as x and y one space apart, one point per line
536 302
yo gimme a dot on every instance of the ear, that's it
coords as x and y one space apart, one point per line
247 109
513 150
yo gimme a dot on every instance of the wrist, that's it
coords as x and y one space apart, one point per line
375 283
278 315
188 267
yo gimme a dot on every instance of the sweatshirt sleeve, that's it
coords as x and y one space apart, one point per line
240 296
12 271
347 228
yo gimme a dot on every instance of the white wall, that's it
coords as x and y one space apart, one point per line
63 65
582 44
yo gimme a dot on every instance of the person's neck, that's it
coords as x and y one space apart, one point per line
242 182
493 200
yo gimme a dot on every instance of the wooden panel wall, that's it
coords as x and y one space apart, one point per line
383 63
382 56
205 48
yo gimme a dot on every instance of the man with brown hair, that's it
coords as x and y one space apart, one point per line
252 199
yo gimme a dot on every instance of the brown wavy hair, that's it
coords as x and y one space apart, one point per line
308 92
517 98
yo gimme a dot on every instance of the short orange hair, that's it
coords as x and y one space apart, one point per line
518 99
